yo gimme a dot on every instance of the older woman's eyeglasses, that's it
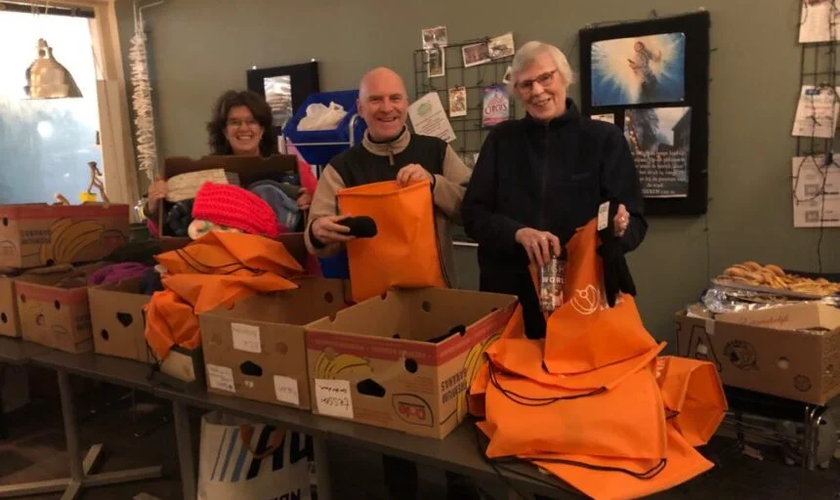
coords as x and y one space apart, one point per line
237 122
543 79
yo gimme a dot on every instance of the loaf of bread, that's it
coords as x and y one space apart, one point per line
772 276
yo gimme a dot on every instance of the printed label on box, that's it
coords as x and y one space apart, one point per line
334 398
220 377
246 338
286 390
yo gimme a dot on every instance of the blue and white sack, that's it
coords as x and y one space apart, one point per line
252 461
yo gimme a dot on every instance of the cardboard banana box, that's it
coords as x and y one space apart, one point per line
404 361
256 349
118 320
789 351
54 309
37 235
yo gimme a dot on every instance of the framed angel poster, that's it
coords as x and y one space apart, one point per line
652 78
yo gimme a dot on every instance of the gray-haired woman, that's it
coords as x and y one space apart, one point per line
540 178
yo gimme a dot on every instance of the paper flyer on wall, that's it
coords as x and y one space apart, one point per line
429 118
659 140
816 192
458 101
496 108
816 19
436 62
501 46
434 37
814 116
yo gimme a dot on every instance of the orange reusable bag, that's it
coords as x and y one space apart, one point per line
515 353
585 333
404 252
693 396
626 421
610 478
217 270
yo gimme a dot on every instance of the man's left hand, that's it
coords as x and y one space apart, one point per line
412 173
621 220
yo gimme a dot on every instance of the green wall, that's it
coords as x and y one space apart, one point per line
200 48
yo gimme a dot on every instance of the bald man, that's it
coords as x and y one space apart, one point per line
390 152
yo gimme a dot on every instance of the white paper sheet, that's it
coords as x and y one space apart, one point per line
220 377
246 338
286 390
816 21
429 118
333 398
814 116
816 200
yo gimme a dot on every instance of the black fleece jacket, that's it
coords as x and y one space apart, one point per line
551 177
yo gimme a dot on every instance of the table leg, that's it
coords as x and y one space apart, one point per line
4 430
322 468
68 414
183 435
80 476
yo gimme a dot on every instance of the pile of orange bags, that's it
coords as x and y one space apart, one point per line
594 403
217 270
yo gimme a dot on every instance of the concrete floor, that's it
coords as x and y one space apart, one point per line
36 452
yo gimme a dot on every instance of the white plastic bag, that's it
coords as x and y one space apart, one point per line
252 461
321 117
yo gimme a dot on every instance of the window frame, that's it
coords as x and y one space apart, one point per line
115 132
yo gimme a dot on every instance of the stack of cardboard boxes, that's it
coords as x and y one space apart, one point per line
43 297
401 361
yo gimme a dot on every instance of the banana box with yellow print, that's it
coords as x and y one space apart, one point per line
404 361
256 349
54 309
37 234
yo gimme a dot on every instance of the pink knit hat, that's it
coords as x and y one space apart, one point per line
232 206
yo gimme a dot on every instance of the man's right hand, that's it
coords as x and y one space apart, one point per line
157 192
327 230
539 245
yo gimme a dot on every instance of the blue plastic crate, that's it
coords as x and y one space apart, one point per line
335 268
319 147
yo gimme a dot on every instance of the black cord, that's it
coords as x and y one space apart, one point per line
529 401
497 466
194 263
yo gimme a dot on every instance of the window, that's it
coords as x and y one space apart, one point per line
95 45
45 145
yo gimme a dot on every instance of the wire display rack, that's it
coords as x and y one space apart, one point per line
469 131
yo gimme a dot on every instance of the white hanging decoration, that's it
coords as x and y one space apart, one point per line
141 98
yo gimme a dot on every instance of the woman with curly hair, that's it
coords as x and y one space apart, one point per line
241 125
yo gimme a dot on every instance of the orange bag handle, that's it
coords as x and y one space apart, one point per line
275 439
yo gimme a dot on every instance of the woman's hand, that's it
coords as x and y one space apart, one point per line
540 245
304 200
621 221
157 192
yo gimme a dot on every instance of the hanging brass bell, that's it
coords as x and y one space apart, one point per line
46 78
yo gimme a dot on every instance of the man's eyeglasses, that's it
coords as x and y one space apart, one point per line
544 79
236 123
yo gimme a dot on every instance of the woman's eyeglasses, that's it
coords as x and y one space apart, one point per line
544 80
236 122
